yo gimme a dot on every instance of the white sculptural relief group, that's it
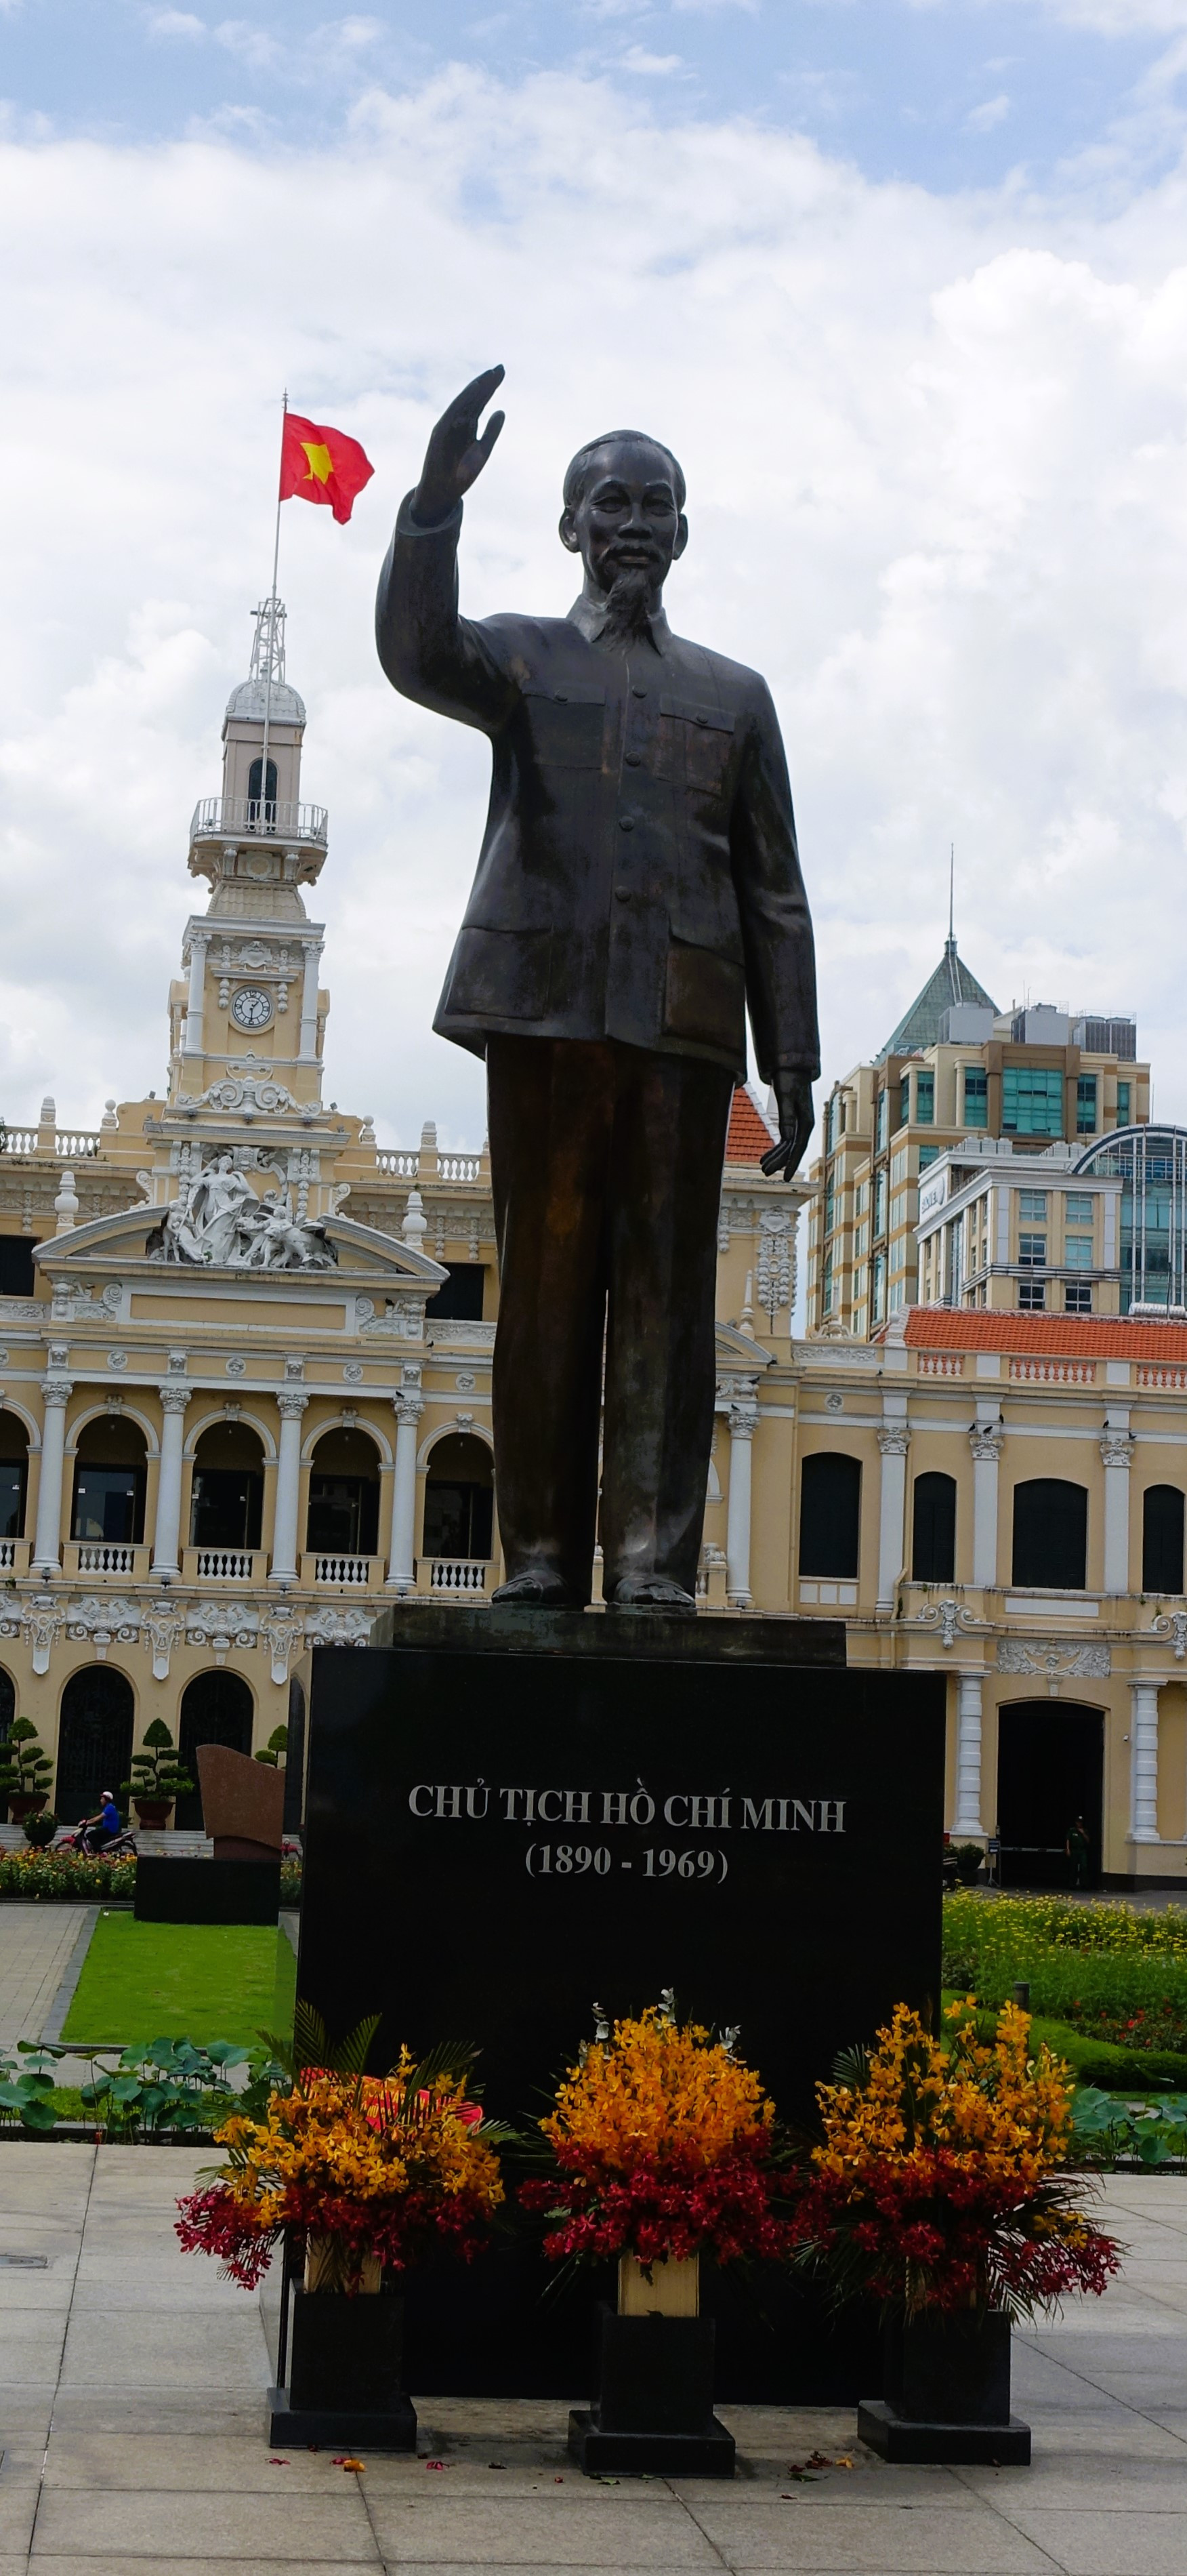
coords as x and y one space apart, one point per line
220 1222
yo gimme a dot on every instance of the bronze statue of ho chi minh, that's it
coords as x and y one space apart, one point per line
638 888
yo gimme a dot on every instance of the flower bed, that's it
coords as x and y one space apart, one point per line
1099 1966
69 1877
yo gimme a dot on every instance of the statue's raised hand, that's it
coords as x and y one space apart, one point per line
456 454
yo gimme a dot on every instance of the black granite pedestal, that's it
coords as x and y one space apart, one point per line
206 1891
510 1813
653 2408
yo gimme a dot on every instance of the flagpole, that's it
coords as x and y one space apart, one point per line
272 623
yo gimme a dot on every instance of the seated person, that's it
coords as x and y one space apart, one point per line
98 1831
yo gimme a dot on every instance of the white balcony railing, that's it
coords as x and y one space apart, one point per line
8 1549
354 1570
401 1163
458 1574
222 1564
216 817
67 1144
106 1556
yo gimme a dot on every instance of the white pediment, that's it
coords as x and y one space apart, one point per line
335 1249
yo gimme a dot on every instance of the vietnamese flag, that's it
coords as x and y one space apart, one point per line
319 464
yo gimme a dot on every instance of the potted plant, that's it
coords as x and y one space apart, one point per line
969 1858
159 1777
40 1828
662 2147
360 2176
940 2191
25 1771
273 1752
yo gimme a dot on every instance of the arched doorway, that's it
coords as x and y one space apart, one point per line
109 1477
1050 1769
459 1498
344 1495
216 1708
94 1741
228 1494
14 1474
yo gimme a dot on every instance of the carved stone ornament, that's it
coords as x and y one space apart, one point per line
161 1631
42 1622
1054 1661
217 1221
1116 1449
102 1624
987 1440
894 1439
952 1618
221 1625
328 1627
283 1637
1172 1623
774 1268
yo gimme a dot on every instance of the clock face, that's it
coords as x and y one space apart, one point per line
251 1009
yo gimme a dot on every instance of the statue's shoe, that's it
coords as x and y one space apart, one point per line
650 1592
536 1591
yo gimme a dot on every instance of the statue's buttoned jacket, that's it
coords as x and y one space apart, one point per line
639 878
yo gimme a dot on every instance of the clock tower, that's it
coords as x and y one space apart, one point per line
247 1022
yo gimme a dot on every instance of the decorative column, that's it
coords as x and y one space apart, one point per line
47 1545
401 1572
307 1047
742 1414
167 1534
968 1757
986 1440
1143 1820
288 1487
199 943
1116 1449
894 1440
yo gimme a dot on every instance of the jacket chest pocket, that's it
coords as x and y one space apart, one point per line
695 744
567 725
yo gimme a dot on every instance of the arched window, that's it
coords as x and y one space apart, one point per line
14 1475
933 1535
344 1496
109 1481
254 778
830 1514
216 1708
228 1496
1162 1539
459 1497
94 1741
1050 1534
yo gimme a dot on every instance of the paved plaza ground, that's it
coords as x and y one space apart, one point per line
132 2414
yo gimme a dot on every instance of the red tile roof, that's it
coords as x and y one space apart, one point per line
749 1136
1115 1337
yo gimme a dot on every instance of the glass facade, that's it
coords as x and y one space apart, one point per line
1151 1164
925 1099
976 1096
1086 1118
1032 1100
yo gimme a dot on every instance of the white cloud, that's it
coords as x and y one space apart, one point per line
637 59
936 454
992 111
173 23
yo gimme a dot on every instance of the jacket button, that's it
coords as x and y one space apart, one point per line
638 693
634 759
626 822
622 894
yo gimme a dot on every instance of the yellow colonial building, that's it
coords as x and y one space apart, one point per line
245 1362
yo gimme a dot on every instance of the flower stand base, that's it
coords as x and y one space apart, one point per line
654 2407
343 2375
947 2383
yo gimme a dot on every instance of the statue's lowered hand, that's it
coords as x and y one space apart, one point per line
456 453
793 1099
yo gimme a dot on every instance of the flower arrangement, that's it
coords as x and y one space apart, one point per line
370 2171
662 2146
938 2185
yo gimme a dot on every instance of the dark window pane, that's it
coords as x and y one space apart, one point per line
461 1295
94 1741
227 1507
216 1708
343 1515
830 1514
933 1550
458 1519
255 780
1162 1539
12 1497
108 1503
16 1264
1051 1533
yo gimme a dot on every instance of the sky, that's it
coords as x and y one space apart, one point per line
903 282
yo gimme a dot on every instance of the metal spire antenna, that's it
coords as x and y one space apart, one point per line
268 648
951 892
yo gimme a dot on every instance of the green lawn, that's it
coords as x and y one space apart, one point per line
198 1981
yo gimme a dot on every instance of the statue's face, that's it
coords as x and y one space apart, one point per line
628 518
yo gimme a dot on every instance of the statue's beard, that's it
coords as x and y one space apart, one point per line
629 608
